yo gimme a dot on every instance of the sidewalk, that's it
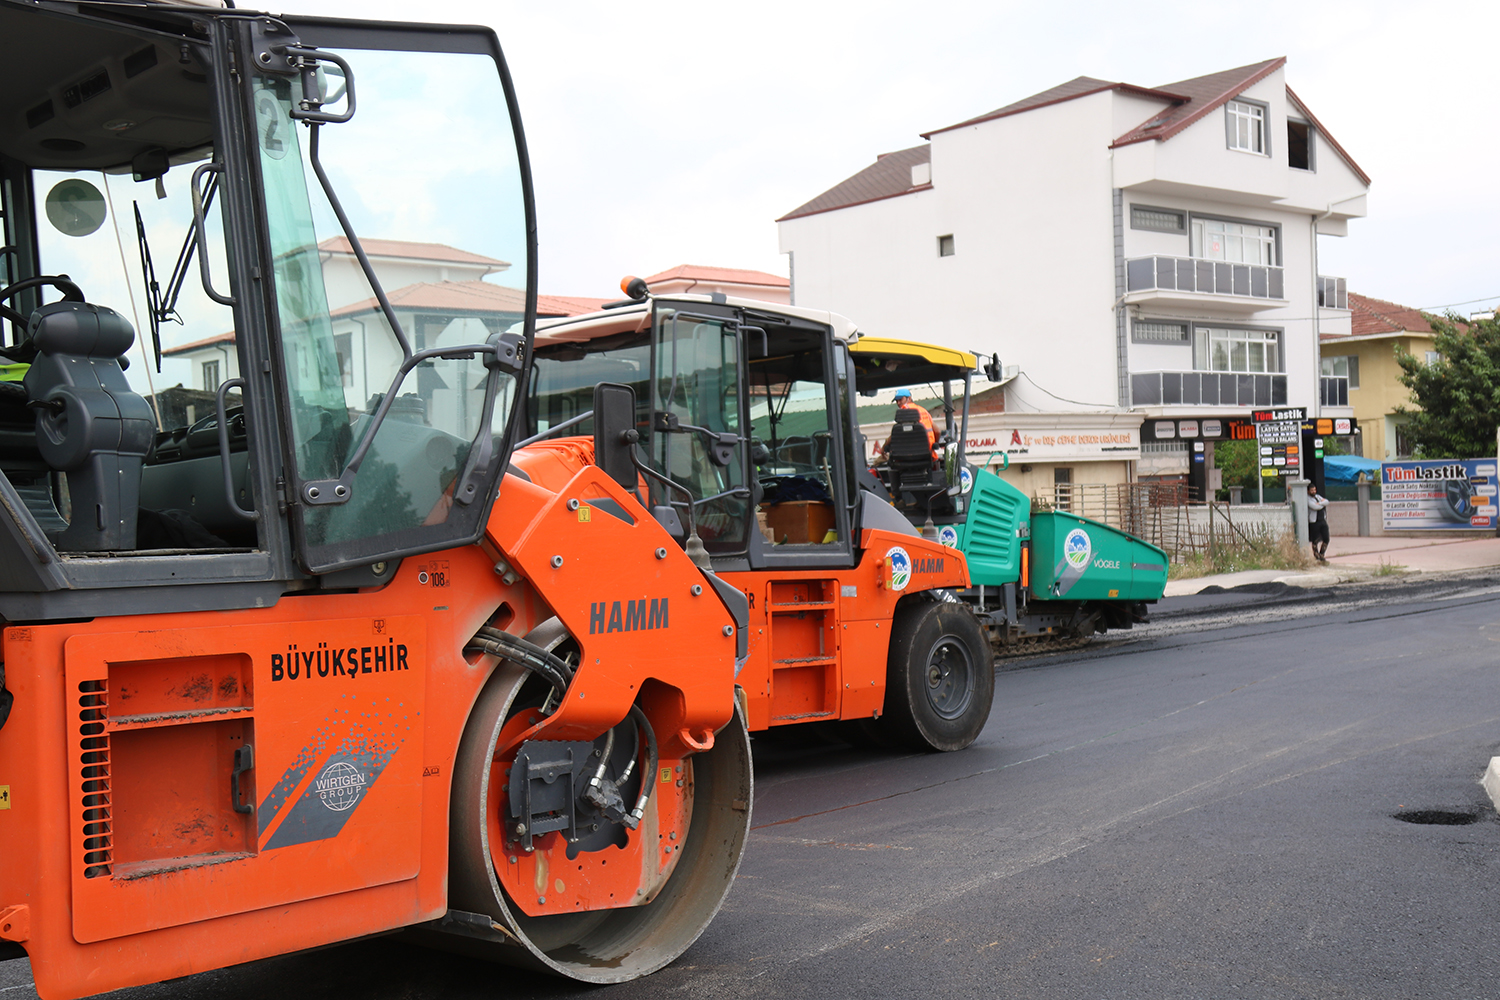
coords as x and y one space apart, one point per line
1356 558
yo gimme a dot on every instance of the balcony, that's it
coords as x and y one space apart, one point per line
1332 293
1189 280
1238 389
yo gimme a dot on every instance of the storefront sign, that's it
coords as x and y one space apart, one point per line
1452 494
1055 445
1280 447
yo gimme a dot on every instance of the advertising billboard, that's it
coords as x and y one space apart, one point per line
1444 494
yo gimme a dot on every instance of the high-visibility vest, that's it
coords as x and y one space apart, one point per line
906 404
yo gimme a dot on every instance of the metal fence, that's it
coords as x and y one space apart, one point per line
1162 514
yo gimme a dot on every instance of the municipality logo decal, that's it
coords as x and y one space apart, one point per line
966 479
900 567
340 786
1077 548
948 535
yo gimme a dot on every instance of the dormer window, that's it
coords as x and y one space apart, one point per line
1299 151
1245 126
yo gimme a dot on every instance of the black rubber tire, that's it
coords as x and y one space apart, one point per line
940 677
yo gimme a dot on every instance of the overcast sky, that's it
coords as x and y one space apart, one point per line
675 133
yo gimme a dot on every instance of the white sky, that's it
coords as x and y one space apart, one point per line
671 133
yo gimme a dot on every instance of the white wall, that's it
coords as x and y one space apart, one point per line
1027 199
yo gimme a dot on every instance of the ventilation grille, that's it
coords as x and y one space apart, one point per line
93 755
992 529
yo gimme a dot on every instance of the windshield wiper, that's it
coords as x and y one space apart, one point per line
153 290
162 307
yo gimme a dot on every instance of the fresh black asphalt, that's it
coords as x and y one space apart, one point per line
1206 807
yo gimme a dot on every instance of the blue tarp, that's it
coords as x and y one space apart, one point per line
1345 469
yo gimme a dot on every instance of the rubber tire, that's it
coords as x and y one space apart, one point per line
924 632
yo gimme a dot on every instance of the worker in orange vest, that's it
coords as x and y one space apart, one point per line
904 402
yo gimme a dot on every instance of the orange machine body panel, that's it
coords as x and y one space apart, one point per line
155 846
818 639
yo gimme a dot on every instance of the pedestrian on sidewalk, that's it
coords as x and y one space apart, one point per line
1317 522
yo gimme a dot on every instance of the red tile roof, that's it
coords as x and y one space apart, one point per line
472 296
728 275
220 338
1372 317
411 251
1080 86
567 305
887 177
1200 95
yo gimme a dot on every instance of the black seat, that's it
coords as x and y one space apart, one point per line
915 475
89 423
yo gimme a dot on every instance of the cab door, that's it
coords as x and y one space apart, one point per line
399 248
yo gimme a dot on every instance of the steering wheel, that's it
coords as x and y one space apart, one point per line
63 283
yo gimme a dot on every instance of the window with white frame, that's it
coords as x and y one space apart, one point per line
1345 367
1246 126
1340 374
1239 242
1236 350
210 375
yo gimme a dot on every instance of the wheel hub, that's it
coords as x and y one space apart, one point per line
950 677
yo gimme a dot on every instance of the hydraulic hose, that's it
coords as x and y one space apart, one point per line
650 772
559 673
547 665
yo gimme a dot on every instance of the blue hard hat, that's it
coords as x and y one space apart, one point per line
903 394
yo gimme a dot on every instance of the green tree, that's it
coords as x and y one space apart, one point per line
1458 394
1240 463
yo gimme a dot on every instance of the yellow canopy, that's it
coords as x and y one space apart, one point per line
883 363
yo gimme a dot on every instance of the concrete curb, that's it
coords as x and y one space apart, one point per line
1491 782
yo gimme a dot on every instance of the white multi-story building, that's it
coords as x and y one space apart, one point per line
1146 257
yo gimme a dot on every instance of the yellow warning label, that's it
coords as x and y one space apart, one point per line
666 775
4 796
584 513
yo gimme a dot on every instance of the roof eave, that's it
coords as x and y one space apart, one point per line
851 204
1208 106
1132 88
1328 136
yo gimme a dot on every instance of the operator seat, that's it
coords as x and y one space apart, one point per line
89 423
915 476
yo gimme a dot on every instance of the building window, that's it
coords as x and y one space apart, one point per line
1340 374
1246 126
1234 350
945 245
1062 487
1403 442
1238 242
1332 293
210 375
1157 220
1158 332
1299 150
1432 358
343 349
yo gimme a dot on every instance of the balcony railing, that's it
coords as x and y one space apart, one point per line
1207 389
1204 277
1332 293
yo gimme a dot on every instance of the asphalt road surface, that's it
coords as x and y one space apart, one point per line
1209 807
